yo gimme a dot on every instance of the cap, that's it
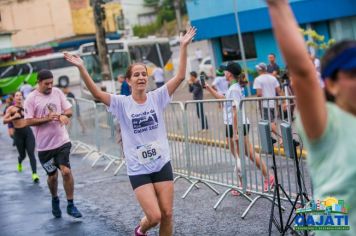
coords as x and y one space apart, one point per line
232 67
219 72
261 66
44 74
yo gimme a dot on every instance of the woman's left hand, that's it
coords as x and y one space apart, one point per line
187 37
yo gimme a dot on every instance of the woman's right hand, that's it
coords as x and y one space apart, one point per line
74 59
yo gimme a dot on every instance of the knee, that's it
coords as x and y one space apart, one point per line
154 219
66 172
52 178
167 214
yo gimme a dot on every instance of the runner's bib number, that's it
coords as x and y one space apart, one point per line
149 152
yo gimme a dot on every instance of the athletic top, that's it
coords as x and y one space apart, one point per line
20 110
50 135
144 133
332 163
234 92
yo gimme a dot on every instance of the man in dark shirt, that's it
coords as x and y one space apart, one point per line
272 67
196 88
125 87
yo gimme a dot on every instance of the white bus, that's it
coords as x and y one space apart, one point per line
64 73
121 53
14 73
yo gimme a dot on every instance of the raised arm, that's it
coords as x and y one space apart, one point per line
173 84
214 92
94 90
309 95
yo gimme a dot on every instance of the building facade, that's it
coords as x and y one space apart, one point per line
34 22
216 22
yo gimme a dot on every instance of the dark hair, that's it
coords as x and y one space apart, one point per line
330 54
128 73
194 74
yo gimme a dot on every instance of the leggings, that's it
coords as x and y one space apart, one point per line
25 141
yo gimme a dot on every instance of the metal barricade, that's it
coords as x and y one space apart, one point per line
274 110
108 146
83 120
209 155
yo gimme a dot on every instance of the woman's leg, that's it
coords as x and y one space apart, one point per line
165 193
259 163
30 148
20 145
147 197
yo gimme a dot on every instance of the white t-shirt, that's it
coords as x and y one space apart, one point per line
268 83
142 125
235 93
158 75
26 89
221 84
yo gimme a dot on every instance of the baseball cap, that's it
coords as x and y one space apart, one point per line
219 72
44 74
261 66
232 67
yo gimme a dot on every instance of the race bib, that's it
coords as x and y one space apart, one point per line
148 152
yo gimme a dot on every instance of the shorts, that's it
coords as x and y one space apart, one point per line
52 159
229 130
271 115
165 174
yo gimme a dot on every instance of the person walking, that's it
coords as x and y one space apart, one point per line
196 88
125 87
327 123
26 89
23 136
144 137
158 76
233 75
267 85
48 111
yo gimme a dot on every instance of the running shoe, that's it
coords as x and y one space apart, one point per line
268 183
73 211
56 210
35 178
137 233
19 167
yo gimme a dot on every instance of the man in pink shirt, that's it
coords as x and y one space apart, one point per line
47 110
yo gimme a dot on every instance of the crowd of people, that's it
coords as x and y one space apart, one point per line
326 120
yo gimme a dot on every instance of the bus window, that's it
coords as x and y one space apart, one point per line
93 66
119 63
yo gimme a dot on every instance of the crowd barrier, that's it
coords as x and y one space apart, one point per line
200 151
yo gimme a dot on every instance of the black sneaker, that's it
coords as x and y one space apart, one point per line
56 210
73 211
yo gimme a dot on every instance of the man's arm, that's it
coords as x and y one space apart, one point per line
213 92
64 117
259 92
40 121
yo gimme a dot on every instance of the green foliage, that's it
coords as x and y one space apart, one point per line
145 30
317 41
151 3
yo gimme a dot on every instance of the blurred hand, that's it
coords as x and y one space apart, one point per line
74 59
64 120
53 116
187 38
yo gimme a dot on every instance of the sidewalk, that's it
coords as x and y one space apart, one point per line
109 206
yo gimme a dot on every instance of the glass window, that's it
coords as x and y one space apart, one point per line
119 63
344 28
230 47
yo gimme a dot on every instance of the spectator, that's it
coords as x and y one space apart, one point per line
125 87
26 89
267 86
158 76
272 67
196 88
198 55
220 84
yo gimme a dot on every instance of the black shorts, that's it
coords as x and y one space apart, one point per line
271 115
52 159
229 130
165 174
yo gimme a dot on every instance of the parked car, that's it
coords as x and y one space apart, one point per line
206 67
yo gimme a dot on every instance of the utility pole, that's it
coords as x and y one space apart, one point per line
101 48
178 16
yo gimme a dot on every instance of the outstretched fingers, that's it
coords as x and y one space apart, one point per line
187 38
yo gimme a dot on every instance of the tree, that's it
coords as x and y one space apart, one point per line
317 41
